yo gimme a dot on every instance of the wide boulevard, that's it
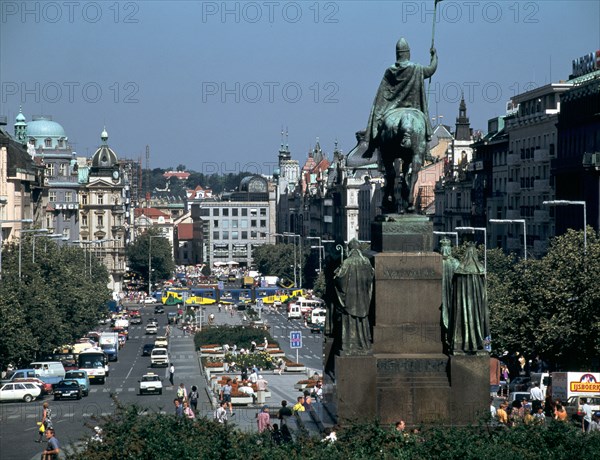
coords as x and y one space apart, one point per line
74 420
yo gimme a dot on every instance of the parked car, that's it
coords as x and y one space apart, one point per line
574 404
159 309
45 386
150 383
82 378
147 350
67 389
20 391
518 396
149 300
151 328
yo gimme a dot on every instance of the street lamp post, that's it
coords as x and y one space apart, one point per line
22 221
515 221
150 263
320 247
576 203
478 229
294 235
33 230
52 235
448 233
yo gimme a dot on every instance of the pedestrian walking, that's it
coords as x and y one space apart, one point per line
171 374
178 408
52 448
263 420
220 414
187 411
194 398
46 423
181 393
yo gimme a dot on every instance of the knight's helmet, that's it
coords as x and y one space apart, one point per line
402 50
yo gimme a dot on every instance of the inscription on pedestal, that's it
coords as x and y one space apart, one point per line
402 365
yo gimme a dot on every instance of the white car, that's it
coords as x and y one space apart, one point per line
151 329
149 300
20 391
150 383
161 342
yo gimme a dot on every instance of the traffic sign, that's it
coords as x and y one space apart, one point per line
296 339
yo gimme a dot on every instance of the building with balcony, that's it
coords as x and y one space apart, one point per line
103 208
20 183
532 132
60 206
228 229
577 163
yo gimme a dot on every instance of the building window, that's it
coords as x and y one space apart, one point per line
68 197
244 235
61 143
52 197
215 235
100 198
253 235
253 212
263 212
244 223
244 212
62 169
216 224
48 143
226 212
215 211
253 223
100 220
234 212
225 223
84 199
50 169
263 223
84 220
235 235
234 223
225 235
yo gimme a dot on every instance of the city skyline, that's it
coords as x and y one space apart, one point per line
212 85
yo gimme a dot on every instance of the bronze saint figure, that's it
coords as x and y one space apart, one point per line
469 316
354 287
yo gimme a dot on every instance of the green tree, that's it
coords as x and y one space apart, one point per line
550 306
163 265
275 260
54 302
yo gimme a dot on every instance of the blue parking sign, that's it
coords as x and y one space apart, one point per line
296 339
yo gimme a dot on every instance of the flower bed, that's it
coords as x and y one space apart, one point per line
295 367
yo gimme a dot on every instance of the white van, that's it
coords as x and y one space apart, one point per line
317 316
49 369
294 311
307 305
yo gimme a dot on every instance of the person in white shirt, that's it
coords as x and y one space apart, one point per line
587 415
536 393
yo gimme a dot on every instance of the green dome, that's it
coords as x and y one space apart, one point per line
42 127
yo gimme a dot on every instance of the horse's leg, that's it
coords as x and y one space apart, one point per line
389 204
417 164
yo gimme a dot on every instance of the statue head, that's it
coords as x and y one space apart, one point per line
402 50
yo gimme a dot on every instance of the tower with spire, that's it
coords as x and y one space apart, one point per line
21 127
463 125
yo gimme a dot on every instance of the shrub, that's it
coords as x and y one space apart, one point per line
241 336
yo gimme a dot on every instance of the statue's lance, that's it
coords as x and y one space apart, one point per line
433 34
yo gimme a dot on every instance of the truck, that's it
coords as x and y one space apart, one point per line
109 342
568 384
95 362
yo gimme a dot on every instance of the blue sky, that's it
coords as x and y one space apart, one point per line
211 84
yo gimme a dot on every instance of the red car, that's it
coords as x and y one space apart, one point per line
46 387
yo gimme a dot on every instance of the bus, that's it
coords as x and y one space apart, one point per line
95 362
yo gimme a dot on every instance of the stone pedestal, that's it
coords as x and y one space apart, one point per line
408 376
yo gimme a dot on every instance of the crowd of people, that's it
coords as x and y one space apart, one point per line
539 410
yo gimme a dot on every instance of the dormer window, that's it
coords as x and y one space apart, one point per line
61 144
48 143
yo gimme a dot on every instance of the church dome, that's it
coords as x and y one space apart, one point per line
105 157
42 127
